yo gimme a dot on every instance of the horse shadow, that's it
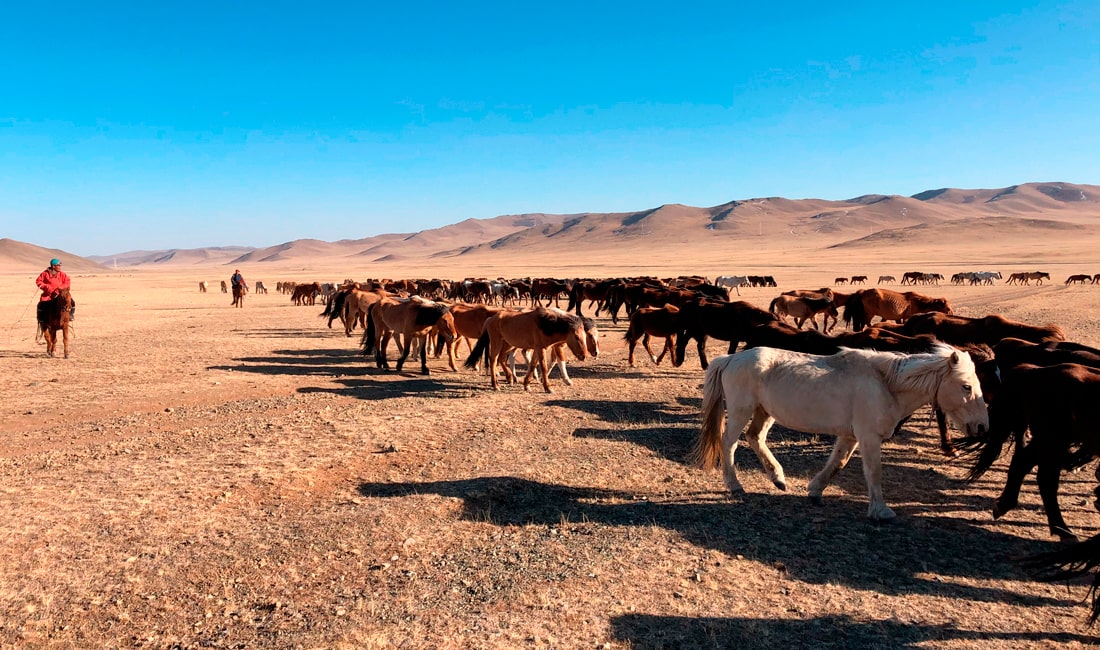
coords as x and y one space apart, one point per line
301 363
825 545
283 333
665 436
656 632
402 384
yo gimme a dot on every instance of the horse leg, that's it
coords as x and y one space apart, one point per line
541 360
670 348
559 355
871 454
757 437
1049 476
51 339
645 343
946 445
842 453
1023 460
736 418
631 344
424 356
65 332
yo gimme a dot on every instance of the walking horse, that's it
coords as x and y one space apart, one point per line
57 315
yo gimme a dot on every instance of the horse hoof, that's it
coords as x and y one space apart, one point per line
885 521
1064 535
816 500
950 451
999 511
782 485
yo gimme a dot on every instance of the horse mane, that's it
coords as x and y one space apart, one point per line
430 313
551 322
915 372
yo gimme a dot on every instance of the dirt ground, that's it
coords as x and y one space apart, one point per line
202 476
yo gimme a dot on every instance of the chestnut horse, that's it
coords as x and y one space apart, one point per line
238 295
58 314
803 308
411 318
1061 407
865 304
536 330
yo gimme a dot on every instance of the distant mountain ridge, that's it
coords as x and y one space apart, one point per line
864 221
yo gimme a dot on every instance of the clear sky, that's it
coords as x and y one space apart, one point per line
154 125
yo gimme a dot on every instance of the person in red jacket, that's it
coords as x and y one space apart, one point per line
50 282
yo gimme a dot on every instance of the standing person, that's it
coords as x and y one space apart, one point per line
50 281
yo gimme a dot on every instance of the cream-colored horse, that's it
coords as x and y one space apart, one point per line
857 395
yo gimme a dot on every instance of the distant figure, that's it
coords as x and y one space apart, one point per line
225 287
51 282
239 288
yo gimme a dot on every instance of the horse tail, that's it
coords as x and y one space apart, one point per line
335 307
988 446
1067 563
771 307
368 335
631 333
481 348
707 452
855 312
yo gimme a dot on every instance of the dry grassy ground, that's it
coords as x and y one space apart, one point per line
199 476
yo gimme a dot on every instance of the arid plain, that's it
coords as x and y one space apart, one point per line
202 476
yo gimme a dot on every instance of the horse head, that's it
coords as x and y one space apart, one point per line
592 337
960 394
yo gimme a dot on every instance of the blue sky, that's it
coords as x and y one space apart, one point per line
130 126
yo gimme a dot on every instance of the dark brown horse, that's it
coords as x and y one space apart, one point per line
728 321
1061 407
653 321
1012 352
865 304
58 315
990 330
238 295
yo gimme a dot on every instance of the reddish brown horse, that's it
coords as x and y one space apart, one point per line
1060 405
238 295
864 305
536 330
412 318
58 314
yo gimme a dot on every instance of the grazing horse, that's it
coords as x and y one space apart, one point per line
238 294
653 321
1096 278
411 318
802 308
1061 407
961 330
58 315
225 287
728 321
536 330
1078 279
857 395
865 304
202 287
260 288
886 278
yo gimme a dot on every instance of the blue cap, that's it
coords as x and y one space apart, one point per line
55 262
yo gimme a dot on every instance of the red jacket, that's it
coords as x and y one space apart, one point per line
48 283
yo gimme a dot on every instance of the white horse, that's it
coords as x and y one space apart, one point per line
857 395
732 281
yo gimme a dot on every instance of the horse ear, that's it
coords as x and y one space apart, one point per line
955 358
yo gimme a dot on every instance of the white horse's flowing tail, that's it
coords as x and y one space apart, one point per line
707 452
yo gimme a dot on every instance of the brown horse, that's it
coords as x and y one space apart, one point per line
990 330
238 294
728 321
865 304
803 308
653 321
1061 407
557 351
305 294
58 315
469 322
1078 279
412 318
535 330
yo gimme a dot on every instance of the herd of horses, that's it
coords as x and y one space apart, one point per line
998 380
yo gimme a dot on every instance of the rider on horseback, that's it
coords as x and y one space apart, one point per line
50 282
